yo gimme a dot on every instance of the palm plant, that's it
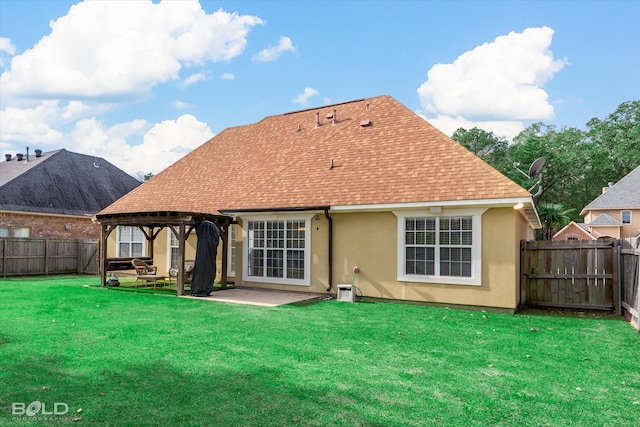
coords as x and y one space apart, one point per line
553 217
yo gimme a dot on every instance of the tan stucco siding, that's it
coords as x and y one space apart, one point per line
370 242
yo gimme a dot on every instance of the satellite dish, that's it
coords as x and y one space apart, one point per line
536 166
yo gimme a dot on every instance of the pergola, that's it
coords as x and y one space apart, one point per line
151 224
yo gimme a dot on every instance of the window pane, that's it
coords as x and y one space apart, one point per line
295 264
136 249
275 263
21 232
256 258
4 232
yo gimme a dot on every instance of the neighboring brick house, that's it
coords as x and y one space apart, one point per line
367 184
574 231
57 193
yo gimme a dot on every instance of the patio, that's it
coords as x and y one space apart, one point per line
259 297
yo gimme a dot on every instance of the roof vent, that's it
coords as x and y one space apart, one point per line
334 118
317 120
298 128
367 106
329 116
19 156
38 153
8 157
365 123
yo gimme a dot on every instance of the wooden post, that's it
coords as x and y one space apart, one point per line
616 282
224 229
4 257
46 257
102 249
523 272
181 248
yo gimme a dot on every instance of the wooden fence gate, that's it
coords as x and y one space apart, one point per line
569 274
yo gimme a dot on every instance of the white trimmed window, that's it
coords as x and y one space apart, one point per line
626 217
4 231
277 250
174 249
130 241
440 248
232 249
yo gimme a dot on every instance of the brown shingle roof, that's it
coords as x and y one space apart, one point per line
284 161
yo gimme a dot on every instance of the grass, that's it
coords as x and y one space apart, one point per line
138 359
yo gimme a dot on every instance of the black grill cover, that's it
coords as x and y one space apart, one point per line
204 269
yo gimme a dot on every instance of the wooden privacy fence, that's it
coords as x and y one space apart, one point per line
595 275
569 274
27 256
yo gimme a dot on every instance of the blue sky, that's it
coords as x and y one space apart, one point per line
143 83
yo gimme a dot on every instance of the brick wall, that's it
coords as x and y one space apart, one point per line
51 226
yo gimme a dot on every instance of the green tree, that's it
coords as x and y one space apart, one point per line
486 145
553 216
577 163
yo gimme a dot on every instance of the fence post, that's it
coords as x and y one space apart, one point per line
618 278
46 257
4 257
523 270
79 257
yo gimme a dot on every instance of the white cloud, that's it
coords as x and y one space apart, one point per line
273 53
162 143
181 105
227 76
117 49
303 98
495 86
195 78
27 125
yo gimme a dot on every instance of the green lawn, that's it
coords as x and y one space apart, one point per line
127 358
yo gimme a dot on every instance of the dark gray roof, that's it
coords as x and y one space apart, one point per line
605 219
62 182
625 194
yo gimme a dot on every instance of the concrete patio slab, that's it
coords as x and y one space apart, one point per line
261 297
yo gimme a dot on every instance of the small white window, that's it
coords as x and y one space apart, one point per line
626 217
130 241
4 231
21 232
173 248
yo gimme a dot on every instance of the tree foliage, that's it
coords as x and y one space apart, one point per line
578 163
